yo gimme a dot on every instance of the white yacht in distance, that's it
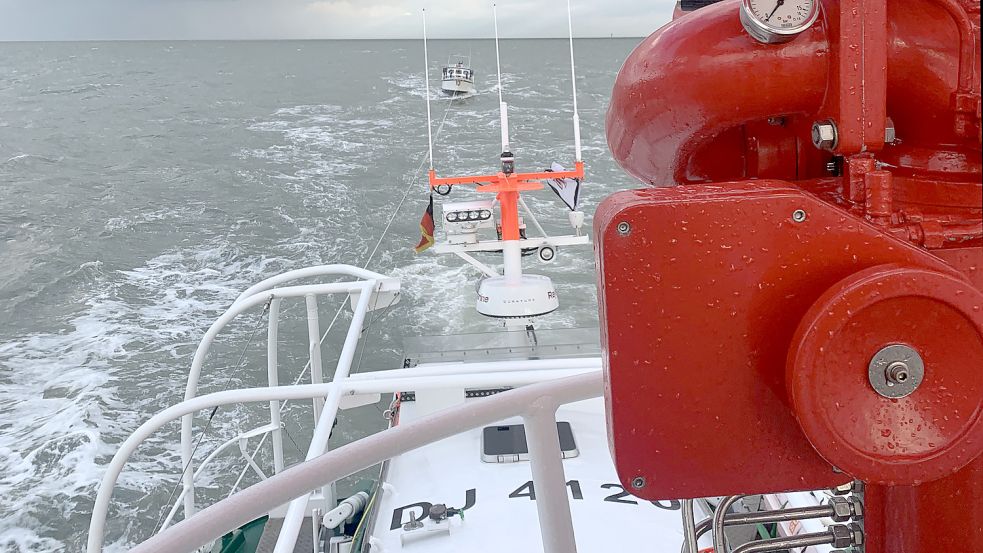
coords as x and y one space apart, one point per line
457 77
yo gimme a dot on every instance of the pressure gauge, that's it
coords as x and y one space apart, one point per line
776 21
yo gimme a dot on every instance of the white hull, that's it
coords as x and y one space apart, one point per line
457 86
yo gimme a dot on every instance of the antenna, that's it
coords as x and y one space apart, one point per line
503 109
426 87
573 78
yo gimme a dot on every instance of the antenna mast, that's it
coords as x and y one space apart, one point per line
573 78
426 87
503 109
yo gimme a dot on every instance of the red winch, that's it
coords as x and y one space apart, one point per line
797 301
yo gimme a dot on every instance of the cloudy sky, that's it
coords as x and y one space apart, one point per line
274 19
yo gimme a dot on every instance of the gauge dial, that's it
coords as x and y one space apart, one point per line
774 21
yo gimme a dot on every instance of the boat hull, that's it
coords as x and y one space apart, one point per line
457 86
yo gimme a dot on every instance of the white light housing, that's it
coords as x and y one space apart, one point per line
462 220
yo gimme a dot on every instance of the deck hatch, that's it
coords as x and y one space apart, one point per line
506 443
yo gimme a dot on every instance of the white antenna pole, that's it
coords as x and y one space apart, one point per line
426 87
573 77
503 109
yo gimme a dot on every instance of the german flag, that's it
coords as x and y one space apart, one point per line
426 228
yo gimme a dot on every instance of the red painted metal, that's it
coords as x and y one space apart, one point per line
753 233
925 436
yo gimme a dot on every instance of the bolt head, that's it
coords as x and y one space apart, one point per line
842 536
824 135
624 228
638 482
842 510
858 507
856 534
799 215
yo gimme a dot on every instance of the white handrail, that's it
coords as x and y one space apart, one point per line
304 391
483 367
453 369
237 308
536 404
308 272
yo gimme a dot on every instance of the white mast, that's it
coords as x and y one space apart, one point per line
573 78
503 109
426 87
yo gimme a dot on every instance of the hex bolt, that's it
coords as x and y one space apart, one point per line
624 228
824 135
638 482
799 215
842 512
856 534
846 509
842 536
857 506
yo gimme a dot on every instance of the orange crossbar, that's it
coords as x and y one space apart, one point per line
507 188
515 181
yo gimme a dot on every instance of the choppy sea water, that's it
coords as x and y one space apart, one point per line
144 185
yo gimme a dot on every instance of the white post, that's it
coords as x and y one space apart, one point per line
512 254
504 115
322 429
573 78
426 87
274 380
548 478
503 109
314 338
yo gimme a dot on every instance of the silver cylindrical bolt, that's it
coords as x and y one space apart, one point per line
624 228
896 373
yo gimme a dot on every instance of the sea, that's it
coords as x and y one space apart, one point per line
144 185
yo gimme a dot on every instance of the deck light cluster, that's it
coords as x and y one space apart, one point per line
461 216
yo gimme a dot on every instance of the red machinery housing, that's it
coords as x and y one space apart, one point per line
817 207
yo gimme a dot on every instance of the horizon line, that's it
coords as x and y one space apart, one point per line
592 37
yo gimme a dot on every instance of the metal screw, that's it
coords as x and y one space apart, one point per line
638 482
856 534
824 135
896 373
624 228
799 215
842 536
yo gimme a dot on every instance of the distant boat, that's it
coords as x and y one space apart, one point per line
457 77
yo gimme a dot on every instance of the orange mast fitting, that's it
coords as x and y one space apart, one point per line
507 188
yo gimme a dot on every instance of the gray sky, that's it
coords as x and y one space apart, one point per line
274 19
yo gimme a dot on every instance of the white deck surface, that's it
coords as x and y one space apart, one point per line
605 519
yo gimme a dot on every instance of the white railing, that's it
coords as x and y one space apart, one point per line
536 404
372 286
375 292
